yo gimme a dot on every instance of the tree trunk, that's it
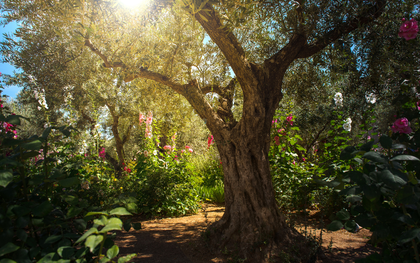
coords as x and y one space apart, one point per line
252 226
118 142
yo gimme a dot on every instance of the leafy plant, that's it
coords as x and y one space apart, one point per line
41 203
384 192
164 185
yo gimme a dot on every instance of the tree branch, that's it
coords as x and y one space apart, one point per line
227 43
107 64
344 28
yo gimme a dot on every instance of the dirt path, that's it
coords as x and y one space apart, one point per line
179 240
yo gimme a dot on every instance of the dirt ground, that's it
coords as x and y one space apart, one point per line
178 240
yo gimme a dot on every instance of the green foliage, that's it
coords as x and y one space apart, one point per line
207 171
294 171
164 186
384 192
40 220
215 193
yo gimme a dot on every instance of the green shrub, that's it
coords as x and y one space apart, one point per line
207 167
165 188
42 204
384 191
214 193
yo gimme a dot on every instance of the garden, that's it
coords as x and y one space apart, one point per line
172 147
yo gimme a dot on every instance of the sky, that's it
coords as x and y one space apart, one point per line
7 68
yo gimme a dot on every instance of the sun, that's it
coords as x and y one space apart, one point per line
133 3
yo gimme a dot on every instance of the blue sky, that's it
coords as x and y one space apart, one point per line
6 68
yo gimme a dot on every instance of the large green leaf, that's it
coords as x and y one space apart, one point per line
350 226
121 211
93 241
103 220
13 119
6 260
6 176
409 235
367 146
66 252
91 231
359 178
385 141
343 215
335 225
8 248
348 153
34 145
113 252
46 132
53 239
391 180
96 213
73 211
110 227
375 157
126 258
404 157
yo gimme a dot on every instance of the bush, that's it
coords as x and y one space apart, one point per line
165 188
42 205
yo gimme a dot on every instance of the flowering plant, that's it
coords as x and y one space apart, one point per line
401 125
408 29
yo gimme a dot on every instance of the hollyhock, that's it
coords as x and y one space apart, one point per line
402 126
282 131
167 147
408 29
187 147
102 153
191 150
210 141
141 118
289 119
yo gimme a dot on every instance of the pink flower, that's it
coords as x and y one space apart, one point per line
182 151
210 141
418 107
303 159
191 150
408 29
281 131
141 118
167 147
102 153
289 119
187 147
402 126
